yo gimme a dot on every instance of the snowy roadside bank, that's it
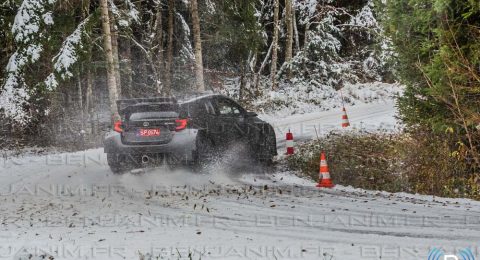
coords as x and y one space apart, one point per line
298 98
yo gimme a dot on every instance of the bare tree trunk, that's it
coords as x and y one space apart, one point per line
150 56
89 96
305 42
88 71
289 47
107 45
116 61
295 29
85 8
252 61
241 90
198 47
307 31
126 65
169 64
276 25
256 77
80 100
160 56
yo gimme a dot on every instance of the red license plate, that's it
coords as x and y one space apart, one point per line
149 132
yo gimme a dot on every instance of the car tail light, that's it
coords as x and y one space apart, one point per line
118 127
181 124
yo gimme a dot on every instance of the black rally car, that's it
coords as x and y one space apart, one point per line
190 131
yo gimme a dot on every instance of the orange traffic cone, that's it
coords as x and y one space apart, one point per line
290 143
324 175
345 122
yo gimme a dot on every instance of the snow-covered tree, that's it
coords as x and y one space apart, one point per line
54 49
30 32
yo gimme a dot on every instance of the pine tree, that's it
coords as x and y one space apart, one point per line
438 63
237 40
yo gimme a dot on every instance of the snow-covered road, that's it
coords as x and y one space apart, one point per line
70 206
369 117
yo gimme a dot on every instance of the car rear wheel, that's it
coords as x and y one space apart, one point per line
266 152
115 162
205 153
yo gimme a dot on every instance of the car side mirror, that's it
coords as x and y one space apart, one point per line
251 114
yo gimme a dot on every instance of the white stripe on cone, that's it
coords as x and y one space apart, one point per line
290 143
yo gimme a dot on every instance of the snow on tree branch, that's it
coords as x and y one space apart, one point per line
365 17
30 18
187 50
125 17
66 57
133 13
211 7
31 21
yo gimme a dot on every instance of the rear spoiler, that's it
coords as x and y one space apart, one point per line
123 104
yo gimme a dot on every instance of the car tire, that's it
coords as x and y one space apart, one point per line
205 153
266 152
115 162
172 163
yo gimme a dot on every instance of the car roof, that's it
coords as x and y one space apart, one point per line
194 98
180 99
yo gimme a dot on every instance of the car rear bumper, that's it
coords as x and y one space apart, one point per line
182 145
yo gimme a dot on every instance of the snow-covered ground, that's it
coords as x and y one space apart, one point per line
299 98
70 206
378 117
